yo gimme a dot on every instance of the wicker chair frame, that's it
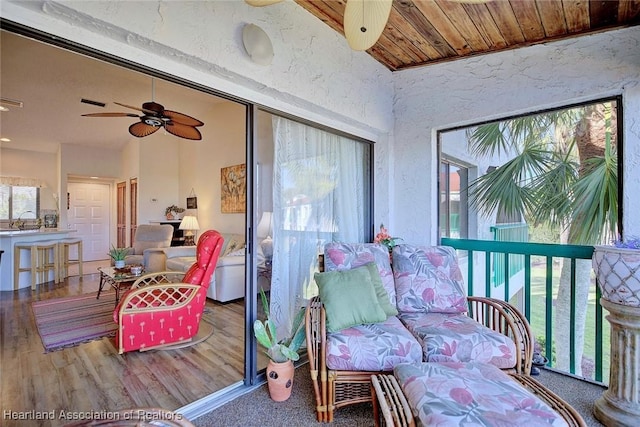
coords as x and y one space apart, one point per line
390 404
155 293
334 389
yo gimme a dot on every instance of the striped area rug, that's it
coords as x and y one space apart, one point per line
70 321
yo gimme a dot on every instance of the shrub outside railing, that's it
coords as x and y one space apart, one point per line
540 259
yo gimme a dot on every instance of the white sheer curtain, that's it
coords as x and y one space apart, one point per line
318 196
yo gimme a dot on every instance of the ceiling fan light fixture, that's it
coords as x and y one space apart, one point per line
364 22
155 117
152 121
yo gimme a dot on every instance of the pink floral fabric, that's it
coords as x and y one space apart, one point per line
465 394
345 256
447 337
428 279
376 347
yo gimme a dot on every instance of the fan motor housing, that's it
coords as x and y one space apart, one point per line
153 106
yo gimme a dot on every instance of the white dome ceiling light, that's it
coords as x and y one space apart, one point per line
257 44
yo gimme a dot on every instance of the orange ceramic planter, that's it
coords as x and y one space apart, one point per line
280 380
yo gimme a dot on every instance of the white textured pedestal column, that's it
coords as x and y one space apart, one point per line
620 404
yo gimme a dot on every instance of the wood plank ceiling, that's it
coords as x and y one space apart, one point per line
424 32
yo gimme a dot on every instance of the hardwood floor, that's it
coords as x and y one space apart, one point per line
94 377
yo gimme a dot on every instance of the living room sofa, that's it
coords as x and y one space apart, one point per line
424 316
228 281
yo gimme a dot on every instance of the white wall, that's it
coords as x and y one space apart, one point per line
502 84
202 161
82 161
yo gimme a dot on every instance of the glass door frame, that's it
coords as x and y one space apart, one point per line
251 378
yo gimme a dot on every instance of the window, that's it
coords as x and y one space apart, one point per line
539 169
453 201
19 203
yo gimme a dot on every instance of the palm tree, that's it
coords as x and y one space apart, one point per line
563 173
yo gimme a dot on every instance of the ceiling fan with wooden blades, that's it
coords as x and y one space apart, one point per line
154 117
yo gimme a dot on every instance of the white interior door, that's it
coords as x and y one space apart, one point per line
89 214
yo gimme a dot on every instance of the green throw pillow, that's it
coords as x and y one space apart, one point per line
349 298
381 292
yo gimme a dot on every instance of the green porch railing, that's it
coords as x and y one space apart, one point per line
546 252
515 232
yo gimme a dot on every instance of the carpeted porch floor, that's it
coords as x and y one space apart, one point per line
256 409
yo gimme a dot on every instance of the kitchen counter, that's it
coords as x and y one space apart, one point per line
8 238
15 232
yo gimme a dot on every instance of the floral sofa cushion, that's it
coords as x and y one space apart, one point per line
447 337
428 279
456 394
345 256
374 347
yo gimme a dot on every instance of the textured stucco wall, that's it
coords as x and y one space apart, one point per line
316 76
202 41
499 85
314 73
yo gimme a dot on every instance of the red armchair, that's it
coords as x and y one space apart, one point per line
165 308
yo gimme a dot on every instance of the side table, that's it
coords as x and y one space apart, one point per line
118 279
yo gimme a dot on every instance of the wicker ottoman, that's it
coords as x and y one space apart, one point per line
458 393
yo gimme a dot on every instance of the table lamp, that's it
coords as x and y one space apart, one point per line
189 224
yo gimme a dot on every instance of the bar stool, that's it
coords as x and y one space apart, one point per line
44 258
65 261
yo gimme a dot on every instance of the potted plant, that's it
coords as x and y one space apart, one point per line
118 255
281 353
383 237
170 210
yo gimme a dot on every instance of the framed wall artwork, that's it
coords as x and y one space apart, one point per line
233 188
192 202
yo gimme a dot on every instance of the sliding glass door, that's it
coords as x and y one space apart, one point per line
314 186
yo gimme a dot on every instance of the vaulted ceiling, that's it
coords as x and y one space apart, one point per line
423 32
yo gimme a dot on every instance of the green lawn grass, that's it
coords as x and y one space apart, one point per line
538 319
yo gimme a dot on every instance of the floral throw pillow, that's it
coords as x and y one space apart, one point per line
428 279
233 246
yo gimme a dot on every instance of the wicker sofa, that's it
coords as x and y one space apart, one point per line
435 322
